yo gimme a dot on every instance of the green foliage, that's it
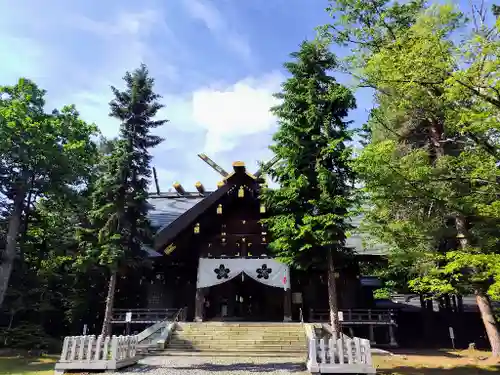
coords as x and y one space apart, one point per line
308 213
48 161
430 168
119 226
53 150
29 336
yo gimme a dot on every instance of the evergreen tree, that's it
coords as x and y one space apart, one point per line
431 168
310 209
119 214
40 154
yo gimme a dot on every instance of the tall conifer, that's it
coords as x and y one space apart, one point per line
310 209
120 206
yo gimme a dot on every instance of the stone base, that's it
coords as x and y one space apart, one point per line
287 319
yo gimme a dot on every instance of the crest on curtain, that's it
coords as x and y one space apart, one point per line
222 272
264 272
217 271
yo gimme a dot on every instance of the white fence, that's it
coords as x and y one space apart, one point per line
340 355
101 353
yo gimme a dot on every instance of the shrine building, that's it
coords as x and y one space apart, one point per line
212 254
210 258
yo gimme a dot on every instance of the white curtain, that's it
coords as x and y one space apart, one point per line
266 271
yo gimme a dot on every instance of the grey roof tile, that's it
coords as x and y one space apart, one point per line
166 210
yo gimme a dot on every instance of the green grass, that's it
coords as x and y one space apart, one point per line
27 365
437 363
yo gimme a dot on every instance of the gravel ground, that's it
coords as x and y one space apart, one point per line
215 366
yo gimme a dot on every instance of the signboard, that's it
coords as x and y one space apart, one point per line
128 316
341 316
452 336
297 298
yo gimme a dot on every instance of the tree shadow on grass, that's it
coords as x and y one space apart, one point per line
26 365
426 352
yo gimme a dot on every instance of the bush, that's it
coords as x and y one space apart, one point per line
28 337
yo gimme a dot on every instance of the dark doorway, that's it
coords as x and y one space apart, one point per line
244 299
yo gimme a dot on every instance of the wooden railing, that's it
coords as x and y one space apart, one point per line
340 355
101 353
144 316
355 317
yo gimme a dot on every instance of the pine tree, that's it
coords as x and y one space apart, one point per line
119 213
309 211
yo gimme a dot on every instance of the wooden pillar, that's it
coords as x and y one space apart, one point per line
287 306
371 334
392 337
199 305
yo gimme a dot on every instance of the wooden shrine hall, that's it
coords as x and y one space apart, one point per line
214 258
210 258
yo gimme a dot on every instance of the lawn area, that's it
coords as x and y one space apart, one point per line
27 365
436 362
429 362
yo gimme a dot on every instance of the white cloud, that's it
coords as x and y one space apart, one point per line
214 21
233 112
135 24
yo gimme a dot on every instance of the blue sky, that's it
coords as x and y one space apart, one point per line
216 63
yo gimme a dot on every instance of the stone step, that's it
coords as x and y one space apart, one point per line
240 330
235 332
240 337
277 329
272 347
239 333
262 351
215 329
246 324
179 353
241 341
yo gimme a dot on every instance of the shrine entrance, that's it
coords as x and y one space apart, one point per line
242 289
244 299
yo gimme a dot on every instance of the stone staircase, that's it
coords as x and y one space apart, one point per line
239 339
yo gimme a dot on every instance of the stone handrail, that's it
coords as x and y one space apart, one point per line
97 353
340 355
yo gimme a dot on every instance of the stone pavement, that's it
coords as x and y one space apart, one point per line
192 365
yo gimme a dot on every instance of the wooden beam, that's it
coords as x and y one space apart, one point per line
179 189
267 165
213 164
199 186
156 181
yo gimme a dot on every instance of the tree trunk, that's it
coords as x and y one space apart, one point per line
332 294
9 254
482 300
108 312
484 304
